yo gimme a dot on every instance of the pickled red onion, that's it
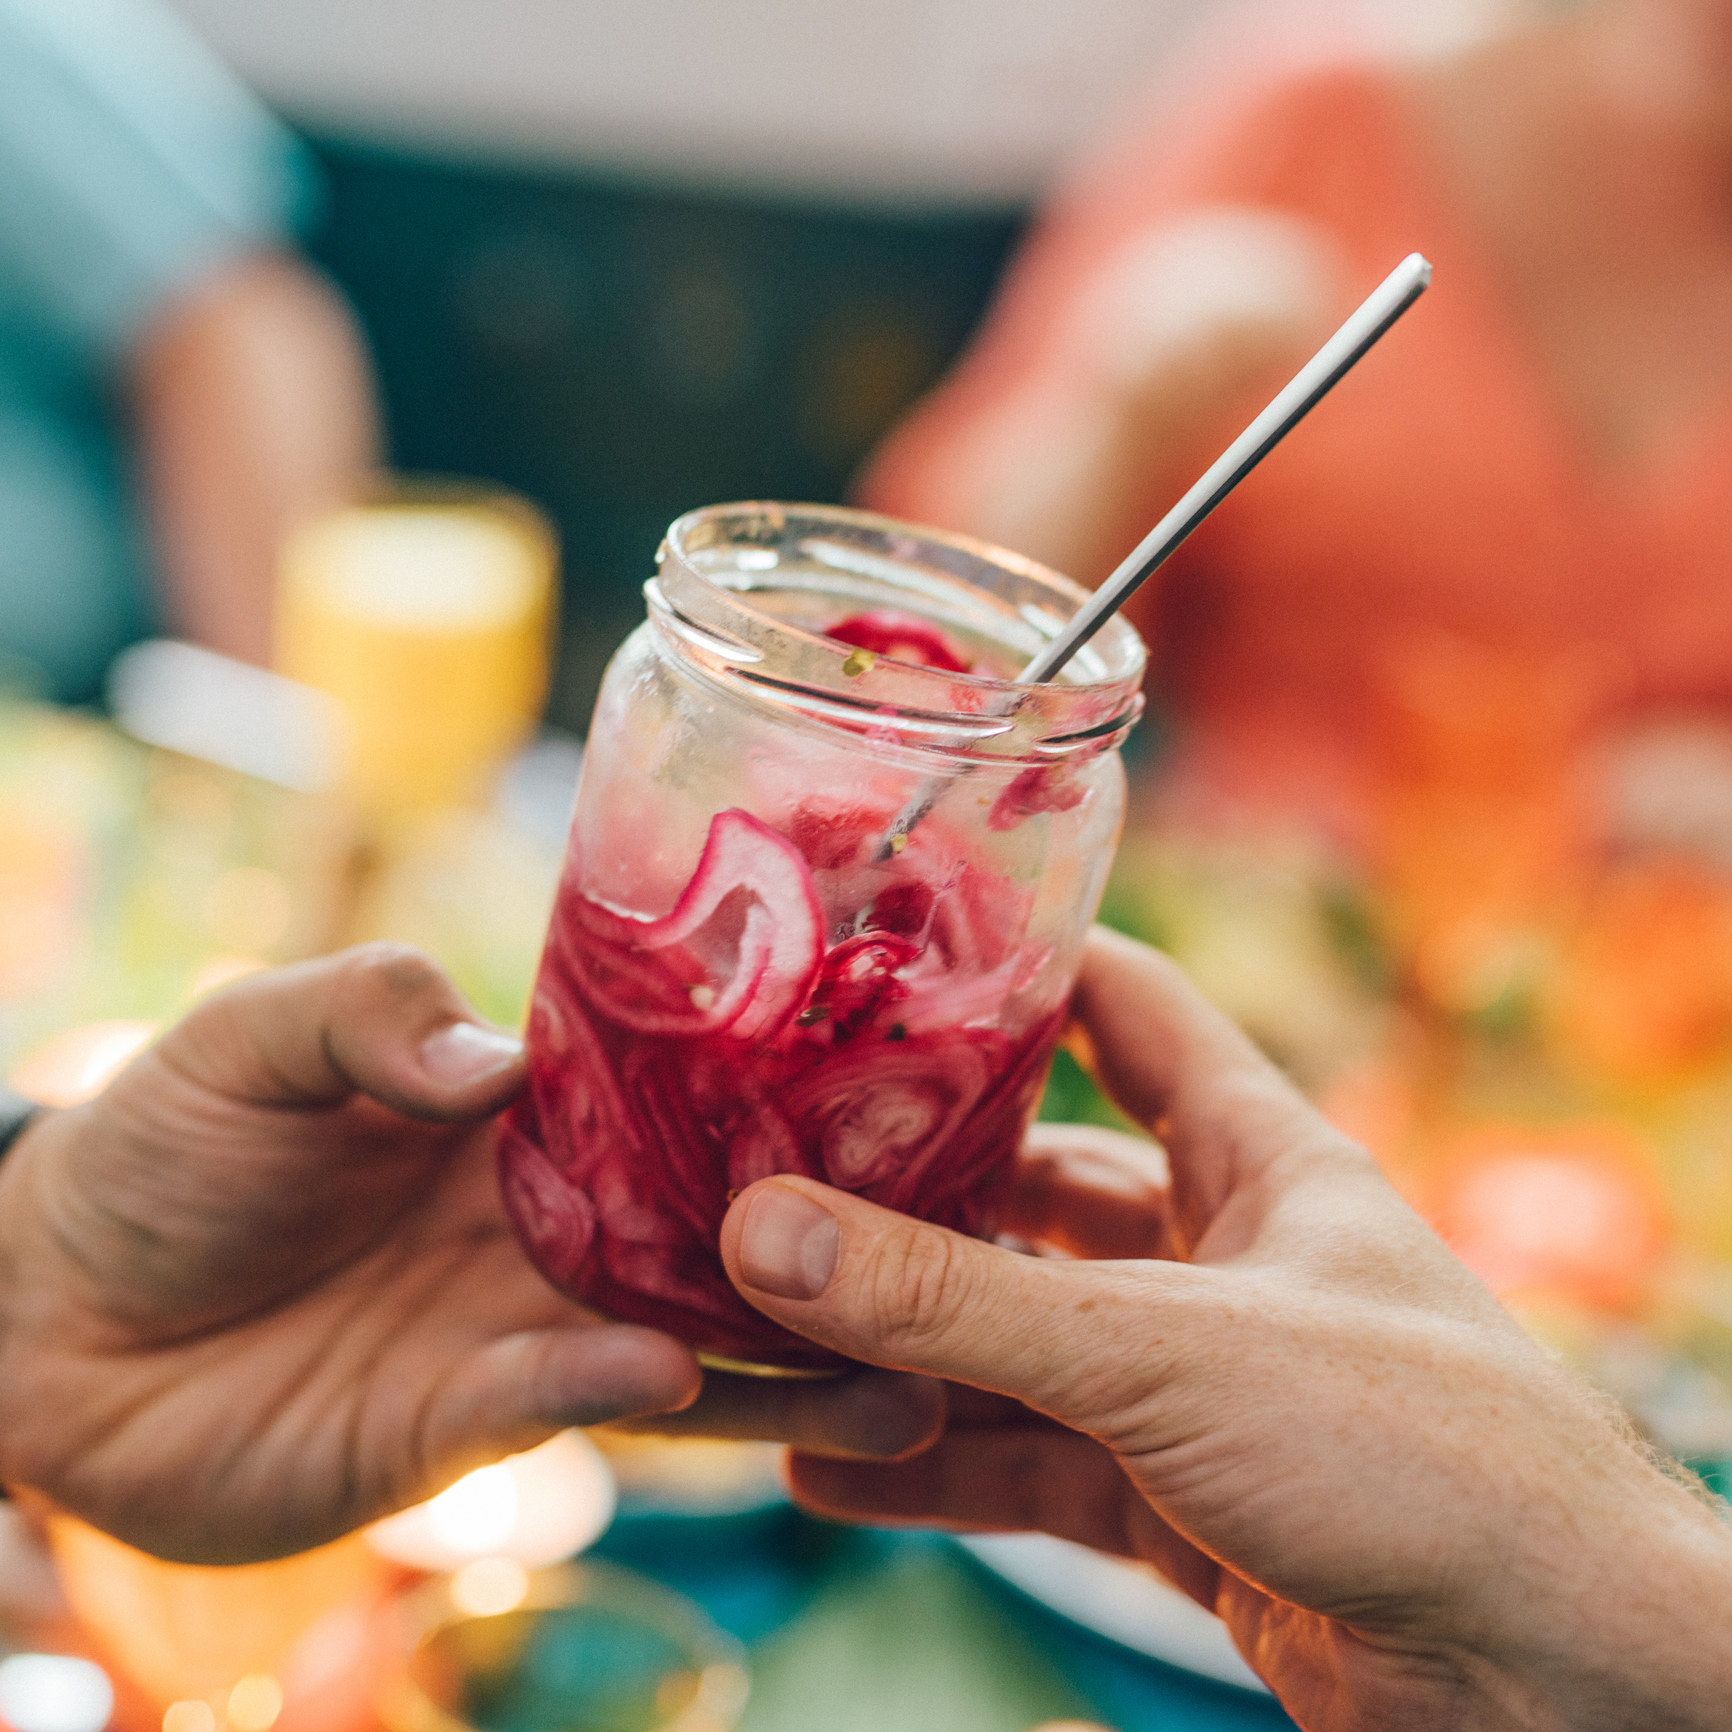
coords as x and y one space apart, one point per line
883 1060
904 637
779 948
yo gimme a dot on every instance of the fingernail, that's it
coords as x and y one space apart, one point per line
788 1244
464 1052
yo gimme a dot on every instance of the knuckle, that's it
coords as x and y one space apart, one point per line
385 970
917 1287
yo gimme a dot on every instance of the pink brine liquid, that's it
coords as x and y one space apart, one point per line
806 1006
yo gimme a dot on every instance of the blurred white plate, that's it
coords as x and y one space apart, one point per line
1130 1606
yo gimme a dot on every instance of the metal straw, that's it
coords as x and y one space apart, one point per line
1309 386
1380 309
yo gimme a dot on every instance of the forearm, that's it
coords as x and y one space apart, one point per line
1632 1633
1155 358
27 1130
1675 1621
254 410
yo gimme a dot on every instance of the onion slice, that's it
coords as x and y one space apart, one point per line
904 637
650 976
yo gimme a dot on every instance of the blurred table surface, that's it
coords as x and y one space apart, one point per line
865 1629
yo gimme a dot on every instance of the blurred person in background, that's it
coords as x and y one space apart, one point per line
1532 469
176 388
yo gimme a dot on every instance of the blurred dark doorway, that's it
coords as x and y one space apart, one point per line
622 353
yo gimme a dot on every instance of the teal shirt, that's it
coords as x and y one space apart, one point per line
131 165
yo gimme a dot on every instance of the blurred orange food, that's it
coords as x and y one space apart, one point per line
1570 1210
41 879
292 1645
1644 993
1480 834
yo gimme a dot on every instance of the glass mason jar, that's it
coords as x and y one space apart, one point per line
823 904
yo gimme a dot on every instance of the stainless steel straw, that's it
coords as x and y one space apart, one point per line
1380 309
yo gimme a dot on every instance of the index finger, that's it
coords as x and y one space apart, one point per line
862 1415
1175 1065
1088 1192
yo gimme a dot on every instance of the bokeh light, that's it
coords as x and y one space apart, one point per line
489 1587
54 1693
80 1063
476 1514
254 1703
535 1509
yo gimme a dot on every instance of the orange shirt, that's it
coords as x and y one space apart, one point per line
1442 492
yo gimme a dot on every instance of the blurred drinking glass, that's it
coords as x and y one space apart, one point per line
248 1648
427 614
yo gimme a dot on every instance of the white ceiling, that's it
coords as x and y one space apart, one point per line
955 99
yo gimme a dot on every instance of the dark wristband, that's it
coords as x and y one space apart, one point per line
15 1115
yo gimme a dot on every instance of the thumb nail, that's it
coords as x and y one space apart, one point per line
464 1052
788 1245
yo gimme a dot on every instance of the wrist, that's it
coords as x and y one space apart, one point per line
1630 1634
33 1271
25 1129
16 1115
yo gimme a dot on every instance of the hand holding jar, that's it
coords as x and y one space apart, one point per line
1266 1376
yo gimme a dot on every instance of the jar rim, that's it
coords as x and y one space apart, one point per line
771 521
717 566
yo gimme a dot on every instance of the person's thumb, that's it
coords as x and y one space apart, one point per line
380 1019
884 1288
